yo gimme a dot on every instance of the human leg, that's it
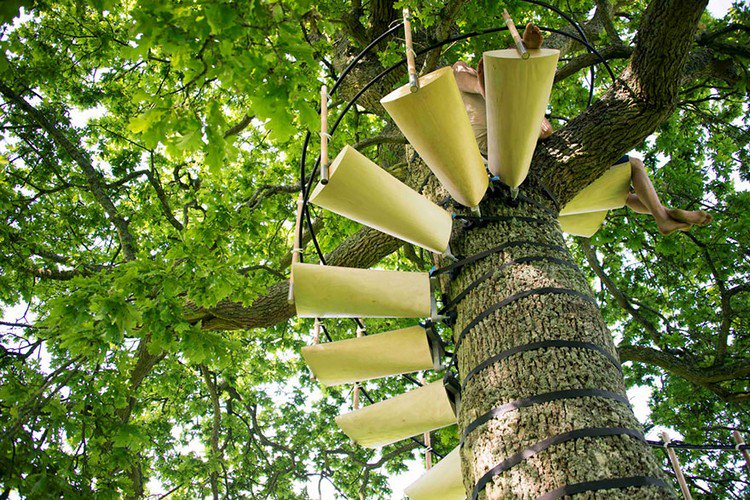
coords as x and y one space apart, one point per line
646 200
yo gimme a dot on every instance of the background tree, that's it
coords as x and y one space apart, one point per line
151 241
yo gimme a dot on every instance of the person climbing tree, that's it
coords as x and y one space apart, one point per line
643 199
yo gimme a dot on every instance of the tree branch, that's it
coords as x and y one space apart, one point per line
240 126
588 59
209 379
620 298
725 314
153 178
707 378
93 177
380 139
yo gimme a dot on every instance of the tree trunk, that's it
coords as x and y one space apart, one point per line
560 306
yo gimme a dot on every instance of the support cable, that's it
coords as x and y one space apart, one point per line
702 447
307 190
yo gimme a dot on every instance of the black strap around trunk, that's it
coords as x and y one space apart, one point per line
540 446
544 344
604 484
539 399
481 255
523 260
520 295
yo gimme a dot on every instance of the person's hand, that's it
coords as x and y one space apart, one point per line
532 36
467 78
546 130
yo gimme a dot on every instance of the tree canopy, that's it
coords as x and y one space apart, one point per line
149 162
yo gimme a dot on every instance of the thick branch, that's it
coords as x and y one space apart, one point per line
209 379
687 369
721 341
240 126
143 366
588 59
153 179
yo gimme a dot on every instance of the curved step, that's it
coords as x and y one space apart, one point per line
585 213
435 122
608 192
362 191
345 292
585 224
421 410
442 482
374 356
517 93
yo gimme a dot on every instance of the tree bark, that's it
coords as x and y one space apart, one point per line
562 315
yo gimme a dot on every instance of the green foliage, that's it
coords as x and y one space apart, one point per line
126 360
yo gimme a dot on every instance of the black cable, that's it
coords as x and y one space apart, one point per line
548 193
360 325
385 72
306 213
703 447
411 379
325 331
584 38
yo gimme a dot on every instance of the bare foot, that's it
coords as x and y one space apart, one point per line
669 226
696 217
466 78
532 36
675 219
